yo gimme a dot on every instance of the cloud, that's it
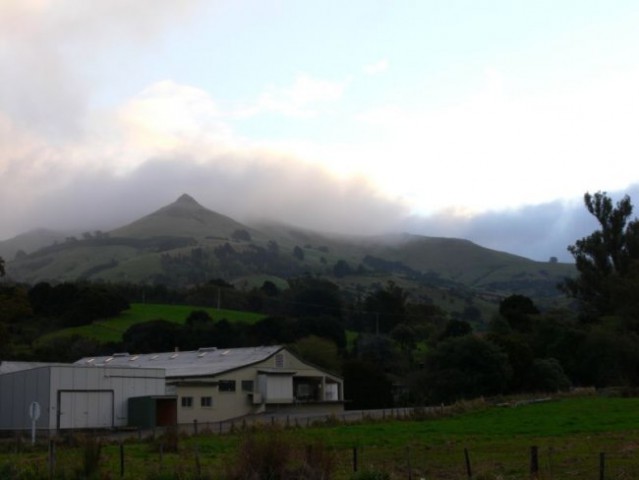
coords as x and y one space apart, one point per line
301 99
377 67
167 119
54 54
534 231
257 188
78 152
528 145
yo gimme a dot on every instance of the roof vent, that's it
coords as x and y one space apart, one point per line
121 354
207 349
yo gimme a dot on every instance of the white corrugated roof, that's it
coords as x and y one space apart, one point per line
205 361
10 366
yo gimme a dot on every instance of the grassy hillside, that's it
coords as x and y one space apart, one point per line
111 330
184 217
31 241
184 244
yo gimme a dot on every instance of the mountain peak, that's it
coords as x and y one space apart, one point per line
187 200
184 217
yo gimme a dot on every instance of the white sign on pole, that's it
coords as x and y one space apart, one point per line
34 413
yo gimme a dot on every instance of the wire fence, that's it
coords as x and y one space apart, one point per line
126 453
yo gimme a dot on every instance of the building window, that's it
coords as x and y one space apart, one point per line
279 360
187 402
227 385
247 385
206 401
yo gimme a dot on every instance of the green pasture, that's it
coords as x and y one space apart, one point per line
111 329
570 435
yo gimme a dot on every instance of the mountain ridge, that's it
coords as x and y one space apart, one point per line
184 243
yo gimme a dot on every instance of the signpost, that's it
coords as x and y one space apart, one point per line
34 413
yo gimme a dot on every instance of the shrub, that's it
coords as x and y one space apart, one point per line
262 456
272 455
169 441
371 475
91 449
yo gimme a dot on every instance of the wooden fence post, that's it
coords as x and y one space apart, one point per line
198 465
534 461
51 459
469 469
602 466
121 460
354 459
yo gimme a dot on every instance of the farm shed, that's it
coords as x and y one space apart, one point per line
72 396
215 385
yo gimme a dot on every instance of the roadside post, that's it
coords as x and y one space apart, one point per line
34 413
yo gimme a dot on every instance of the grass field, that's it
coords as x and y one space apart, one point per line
570 434
111 329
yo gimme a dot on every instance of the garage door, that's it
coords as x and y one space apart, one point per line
85 409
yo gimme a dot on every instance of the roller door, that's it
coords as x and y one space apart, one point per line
85 409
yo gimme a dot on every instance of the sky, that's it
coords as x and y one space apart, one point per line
485 120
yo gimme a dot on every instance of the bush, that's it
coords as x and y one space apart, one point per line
262 456
271 455
91 449
169 441
371 475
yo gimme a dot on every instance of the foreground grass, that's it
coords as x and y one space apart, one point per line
111 329
570 435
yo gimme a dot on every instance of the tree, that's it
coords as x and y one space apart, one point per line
342 268
2 270
198 318
456 328
462 368
366 386
607 259
547 375
387 307
269 289
516 309
152 336
298 252
314 297
241 235
319 351
322 326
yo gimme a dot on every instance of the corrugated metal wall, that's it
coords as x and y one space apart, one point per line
17 391
74 396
